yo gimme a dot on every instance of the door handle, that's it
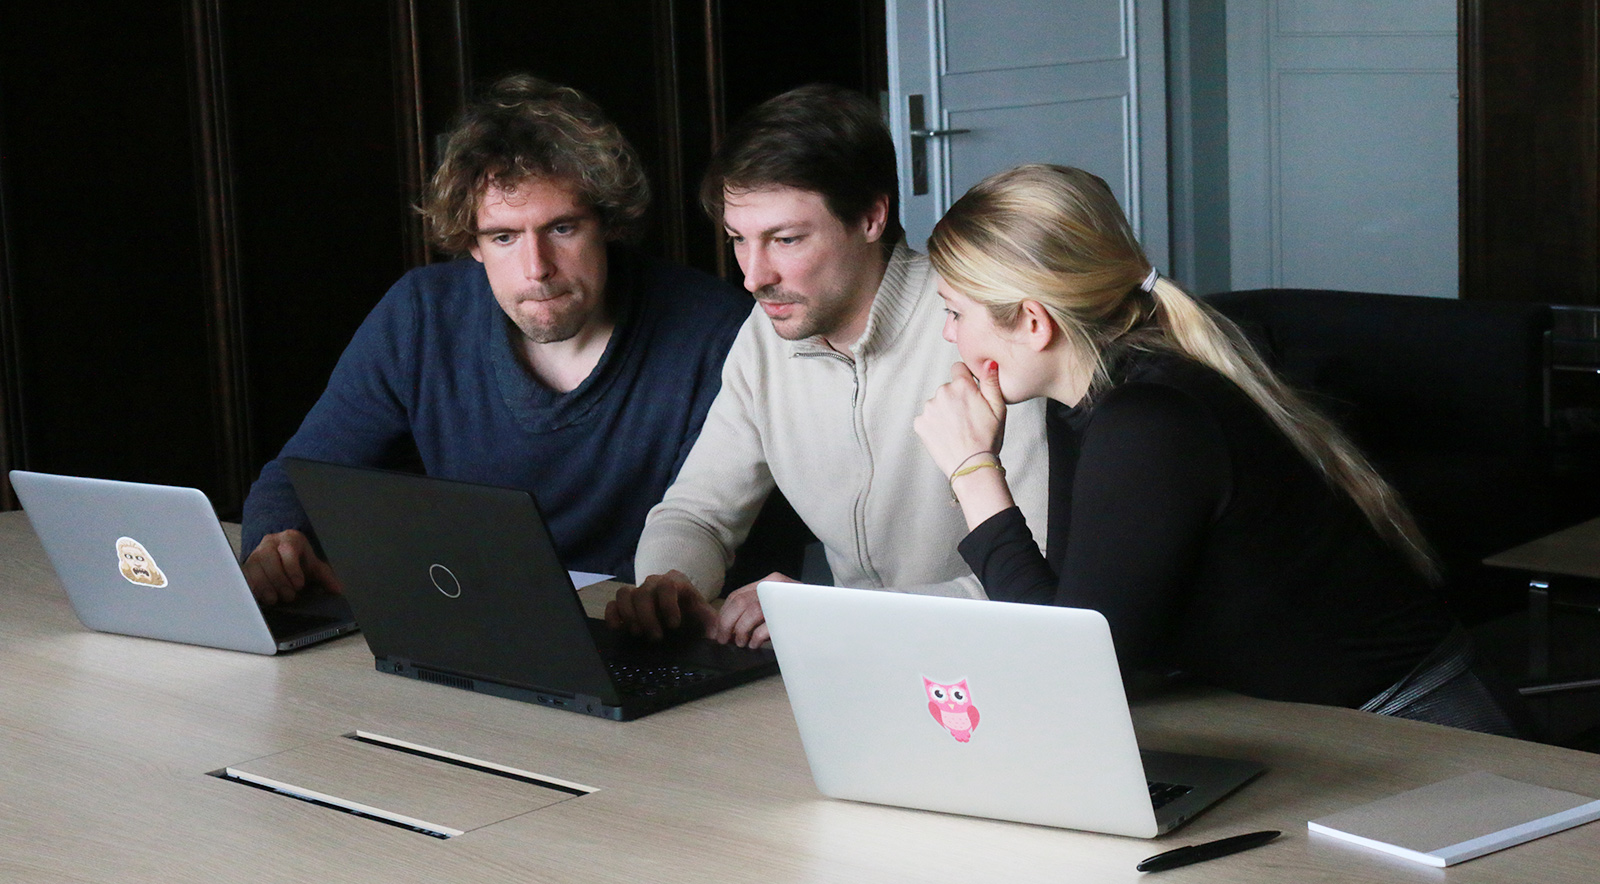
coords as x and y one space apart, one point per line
918 112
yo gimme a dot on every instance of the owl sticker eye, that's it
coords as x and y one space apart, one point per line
951 706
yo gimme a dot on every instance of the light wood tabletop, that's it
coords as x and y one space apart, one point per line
1570 552
107 742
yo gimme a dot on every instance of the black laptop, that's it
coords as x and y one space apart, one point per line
459 584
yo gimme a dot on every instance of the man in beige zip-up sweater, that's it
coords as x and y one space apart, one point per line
823 382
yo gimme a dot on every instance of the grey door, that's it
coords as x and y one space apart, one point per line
1342 144
995 83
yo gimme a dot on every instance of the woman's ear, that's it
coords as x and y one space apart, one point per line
1037 326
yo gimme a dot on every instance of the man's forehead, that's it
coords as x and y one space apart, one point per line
773 206
544 194
519 191
769 193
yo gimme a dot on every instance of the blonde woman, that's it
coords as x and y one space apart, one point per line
1224 528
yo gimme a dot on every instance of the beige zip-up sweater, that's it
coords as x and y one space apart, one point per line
833 432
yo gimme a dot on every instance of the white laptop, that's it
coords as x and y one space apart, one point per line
990 709
152 561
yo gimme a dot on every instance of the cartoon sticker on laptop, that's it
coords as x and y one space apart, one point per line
136 565
951 706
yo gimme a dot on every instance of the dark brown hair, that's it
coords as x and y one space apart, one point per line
825 139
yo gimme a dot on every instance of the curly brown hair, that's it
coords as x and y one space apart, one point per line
524 127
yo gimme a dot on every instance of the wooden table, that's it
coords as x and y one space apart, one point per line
105 743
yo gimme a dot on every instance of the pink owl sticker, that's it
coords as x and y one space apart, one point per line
951 706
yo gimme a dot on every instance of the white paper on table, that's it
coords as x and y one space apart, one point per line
580 579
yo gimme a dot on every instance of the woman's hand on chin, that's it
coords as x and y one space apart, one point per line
965 418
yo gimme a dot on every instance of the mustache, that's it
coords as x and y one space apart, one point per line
775 295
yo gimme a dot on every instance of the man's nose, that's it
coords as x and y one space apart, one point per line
758 270
536 263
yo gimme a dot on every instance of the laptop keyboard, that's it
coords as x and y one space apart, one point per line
1162 794
647 681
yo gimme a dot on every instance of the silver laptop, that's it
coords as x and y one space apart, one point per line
989 709
152 561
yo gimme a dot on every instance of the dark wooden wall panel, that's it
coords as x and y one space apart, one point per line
1530 209
104 243
200 200
322 215
607 49
771 48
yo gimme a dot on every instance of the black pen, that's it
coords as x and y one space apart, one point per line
1199 853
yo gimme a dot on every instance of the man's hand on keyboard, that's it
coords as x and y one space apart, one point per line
660 602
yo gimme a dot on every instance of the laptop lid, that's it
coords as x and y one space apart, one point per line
989 709
460 584
152 561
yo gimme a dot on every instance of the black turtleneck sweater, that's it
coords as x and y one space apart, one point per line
1212 546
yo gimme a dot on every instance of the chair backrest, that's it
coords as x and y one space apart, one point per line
1445 396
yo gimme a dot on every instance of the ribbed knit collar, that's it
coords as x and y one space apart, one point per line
892 305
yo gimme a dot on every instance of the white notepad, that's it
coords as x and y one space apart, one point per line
1459 819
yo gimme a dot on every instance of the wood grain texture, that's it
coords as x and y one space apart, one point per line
107 740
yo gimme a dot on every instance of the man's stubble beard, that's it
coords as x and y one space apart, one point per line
562 326
819 316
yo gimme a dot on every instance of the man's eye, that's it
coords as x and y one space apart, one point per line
787 240
735 239
564 229
501 238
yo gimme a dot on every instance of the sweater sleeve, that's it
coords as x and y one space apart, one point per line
712 359
1153 472
361 418
1004 555
708 510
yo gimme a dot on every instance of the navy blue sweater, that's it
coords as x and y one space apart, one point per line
432 380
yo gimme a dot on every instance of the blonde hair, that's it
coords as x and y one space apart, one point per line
1056 236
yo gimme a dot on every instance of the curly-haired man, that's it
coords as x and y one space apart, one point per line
551 355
